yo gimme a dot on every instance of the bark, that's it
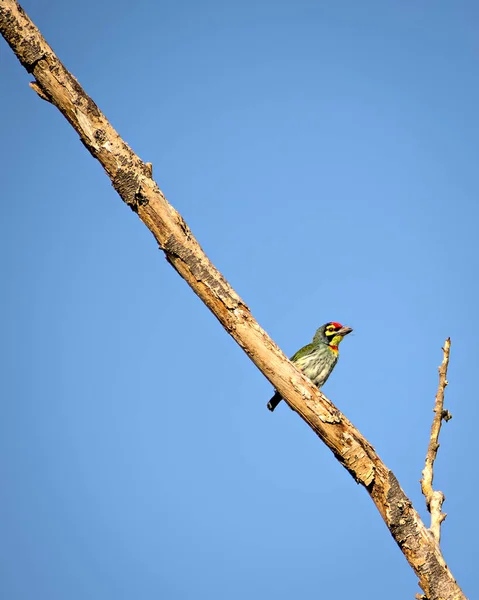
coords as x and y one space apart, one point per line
435 498
131 178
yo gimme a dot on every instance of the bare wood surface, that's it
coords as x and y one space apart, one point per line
435 498
131 178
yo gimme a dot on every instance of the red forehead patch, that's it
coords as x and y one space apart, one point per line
337 325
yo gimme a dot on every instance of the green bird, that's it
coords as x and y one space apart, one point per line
318 359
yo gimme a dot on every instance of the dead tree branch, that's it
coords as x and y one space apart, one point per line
435 498
131 178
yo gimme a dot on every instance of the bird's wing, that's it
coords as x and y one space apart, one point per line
303 352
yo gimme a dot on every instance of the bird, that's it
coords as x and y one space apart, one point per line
318 359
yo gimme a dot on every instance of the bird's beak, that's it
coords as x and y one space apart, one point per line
344 331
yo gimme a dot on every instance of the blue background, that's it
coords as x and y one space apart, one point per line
325 156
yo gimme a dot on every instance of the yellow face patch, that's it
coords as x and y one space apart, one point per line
336 340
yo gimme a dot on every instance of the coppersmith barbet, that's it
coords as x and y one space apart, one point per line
318 359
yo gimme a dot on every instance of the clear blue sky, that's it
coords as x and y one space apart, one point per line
325 156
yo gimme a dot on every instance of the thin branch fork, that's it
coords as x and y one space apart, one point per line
435 498
131 178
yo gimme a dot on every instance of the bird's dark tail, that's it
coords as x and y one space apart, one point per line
275 400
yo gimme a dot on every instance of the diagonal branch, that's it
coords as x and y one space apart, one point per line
131 178
435 498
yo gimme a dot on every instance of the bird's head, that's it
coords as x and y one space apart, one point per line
331 334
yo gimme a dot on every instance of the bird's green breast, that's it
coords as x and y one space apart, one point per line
316 361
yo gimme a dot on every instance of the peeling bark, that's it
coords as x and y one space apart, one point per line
131 178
